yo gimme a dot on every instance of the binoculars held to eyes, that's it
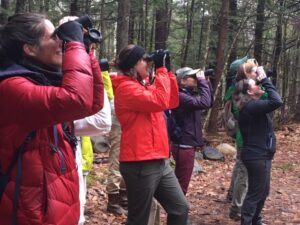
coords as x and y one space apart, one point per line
209 73
152 55
93 35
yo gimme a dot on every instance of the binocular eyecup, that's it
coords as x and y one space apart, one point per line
94 35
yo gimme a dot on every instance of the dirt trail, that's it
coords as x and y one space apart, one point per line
207 192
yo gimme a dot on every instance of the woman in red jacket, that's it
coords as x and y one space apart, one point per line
144 152
42 87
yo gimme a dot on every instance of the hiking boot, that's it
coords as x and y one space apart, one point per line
123 199
234 216
113 205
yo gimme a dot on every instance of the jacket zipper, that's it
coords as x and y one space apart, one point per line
61 158
56 149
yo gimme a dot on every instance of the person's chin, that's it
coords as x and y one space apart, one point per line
145 75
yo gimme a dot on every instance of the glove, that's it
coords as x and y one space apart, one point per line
104 64
161 58
70 31
168 61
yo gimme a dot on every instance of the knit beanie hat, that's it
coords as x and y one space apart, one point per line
128 62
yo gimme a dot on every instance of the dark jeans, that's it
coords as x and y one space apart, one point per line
259 173
184 158
155 178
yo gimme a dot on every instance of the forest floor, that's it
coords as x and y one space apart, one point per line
208 190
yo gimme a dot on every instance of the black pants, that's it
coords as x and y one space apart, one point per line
147 179
259 172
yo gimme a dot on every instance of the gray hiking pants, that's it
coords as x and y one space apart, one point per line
154 178
239 182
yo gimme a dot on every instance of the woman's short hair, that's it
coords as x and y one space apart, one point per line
23 28
245 70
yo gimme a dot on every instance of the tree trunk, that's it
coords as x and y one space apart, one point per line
233 29
161 26
259 29
131 29
297 82
208 33
152 32
202 13
123 24
44 6
103 44
146 22
20 6
141 24
222 32
74 8
189 30
278 42
88 6
4 11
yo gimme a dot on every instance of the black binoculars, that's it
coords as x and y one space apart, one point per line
94 35
209 73
151 56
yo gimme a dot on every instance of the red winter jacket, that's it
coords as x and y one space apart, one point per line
140 112
47 195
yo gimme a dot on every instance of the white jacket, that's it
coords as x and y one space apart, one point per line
97 124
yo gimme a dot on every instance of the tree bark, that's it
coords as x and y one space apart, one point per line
74 8
222 32
103 44
189 27
88 6
122 24
161 26
208 33
4 11
297 82
259 30
20 6
233 29
278 42
131 29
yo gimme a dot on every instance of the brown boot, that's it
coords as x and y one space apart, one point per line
113 205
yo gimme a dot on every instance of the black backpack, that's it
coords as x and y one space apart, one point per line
174 131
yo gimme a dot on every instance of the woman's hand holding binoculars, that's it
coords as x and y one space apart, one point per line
70 31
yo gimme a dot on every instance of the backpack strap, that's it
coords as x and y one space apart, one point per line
4 177
18 159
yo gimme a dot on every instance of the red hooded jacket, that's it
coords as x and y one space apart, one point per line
48 195
140 109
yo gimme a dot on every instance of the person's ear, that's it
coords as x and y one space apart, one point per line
249 92
29 50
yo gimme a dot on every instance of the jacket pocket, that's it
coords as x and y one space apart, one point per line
271 143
